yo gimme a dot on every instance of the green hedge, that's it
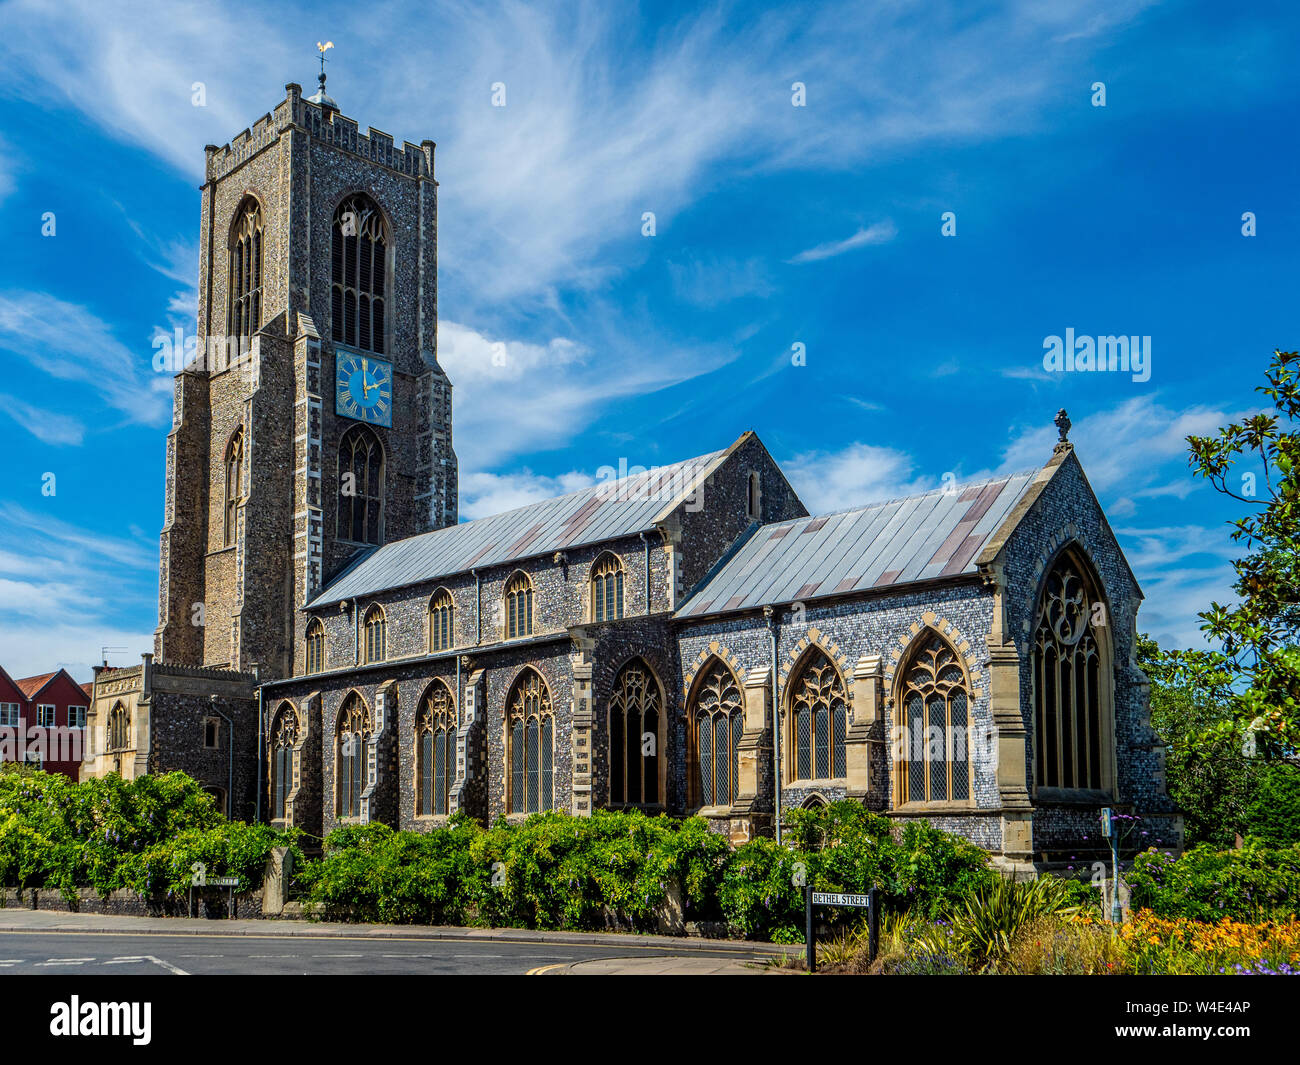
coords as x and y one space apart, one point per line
1254 883
110 833
555 871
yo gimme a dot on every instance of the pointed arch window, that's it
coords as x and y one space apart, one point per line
376 635
442 619
284 736
315 646
716 725
245 288
359 253
530 739
435 751
635 720
119 728
353 734
607 588
1071 676
234 486
820 720
519 606
361 487
933 755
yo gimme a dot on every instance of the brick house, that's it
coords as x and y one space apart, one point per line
683 640
43 721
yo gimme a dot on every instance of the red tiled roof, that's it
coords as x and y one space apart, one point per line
31 685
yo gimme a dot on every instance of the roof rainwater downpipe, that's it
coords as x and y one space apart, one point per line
261 730
773 628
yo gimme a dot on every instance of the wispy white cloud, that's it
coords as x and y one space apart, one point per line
482 494
61 592
513 397
71 343
852 476
1125 448
49 427
594 132
880 233
706 281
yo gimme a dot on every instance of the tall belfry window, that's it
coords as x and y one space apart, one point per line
361 486
246 274
359 250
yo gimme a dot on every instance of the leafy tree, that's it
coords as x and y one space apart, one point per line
1207 772
1258 671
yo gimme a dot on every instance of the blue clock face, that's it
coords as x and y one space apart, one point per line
364 389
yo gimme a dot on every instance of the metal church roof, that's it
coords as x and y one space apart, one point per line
938 534
606 511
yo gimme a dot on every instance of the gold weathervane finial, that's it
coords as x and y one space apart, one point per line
323 48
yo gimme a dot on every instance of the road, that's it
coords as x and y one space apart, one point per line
110 954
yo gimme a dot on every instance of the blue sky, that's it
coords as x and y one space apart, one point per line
775 225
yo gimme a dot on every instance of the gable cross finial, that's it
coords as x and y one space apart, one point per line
1062 422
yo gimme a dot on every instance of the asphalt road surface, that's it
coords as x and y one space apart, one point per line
109 954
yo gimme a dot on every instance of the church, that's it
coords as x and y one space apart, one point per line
334 647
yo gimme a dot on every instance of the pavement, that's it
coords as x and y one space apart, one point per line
37 941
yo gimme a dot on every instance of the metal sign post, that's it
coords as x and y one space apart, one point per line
869 902
1108 832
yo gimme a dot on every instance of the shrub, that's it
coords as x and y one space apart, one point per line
1273 813
1254 883
984 925
61 834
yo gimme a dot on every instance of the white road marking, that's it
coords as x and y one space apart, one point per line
273 955
338 955
166 965
64 961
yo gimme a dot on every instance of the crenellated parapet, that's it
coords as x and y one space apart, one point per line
326 125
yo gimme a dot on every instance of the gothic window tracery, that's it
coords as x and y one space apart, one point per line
435 734
353 733
716 726
635 715
934 753
284 736
245 289
1070 675
607 588
361 486
820 720
530 736
359 257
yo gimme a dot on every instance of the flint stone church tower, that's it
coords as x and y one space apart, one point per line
311 422
317 280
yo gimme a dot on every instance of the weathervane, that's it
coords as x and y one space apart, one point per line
323 48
